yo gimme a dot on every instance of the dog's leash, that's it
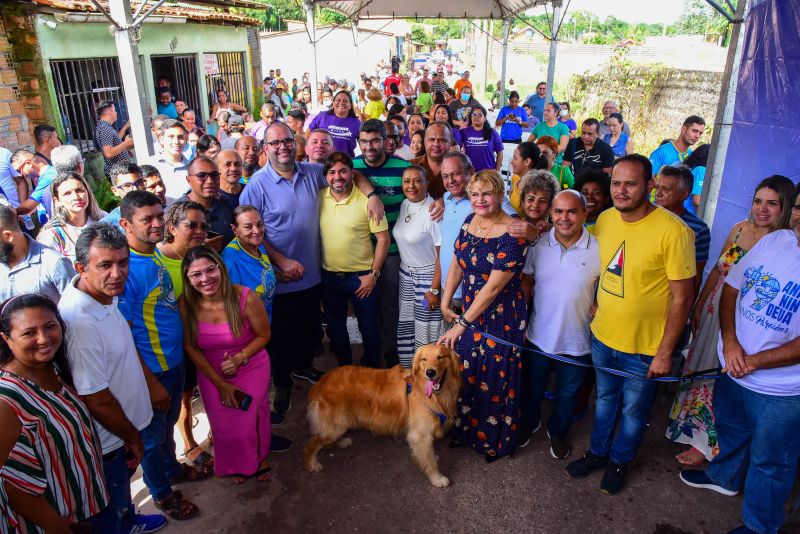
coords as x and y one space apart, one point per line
706 374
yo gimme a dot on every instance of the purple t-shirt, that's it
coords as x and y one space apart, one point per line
481 151
344 131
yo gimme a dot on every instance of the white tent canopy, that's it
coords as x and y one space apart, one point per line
464 9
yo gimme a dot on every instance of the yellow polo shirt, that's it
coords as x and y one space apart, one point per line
637 261
345 231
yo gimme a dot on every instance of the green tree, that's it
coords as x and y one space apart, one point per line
420 35
699 18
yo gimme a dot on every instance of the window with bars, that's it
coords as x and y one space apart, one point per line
225 70
80 84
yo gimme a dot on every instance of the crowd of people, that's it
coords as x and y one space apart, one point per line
235 250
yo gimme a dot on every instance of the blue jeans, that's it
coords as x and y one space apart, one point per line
159 464
337 290
759 443
119 515
623 401
536 369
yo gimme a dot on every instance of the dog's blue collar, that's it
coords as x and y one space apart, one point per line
441 416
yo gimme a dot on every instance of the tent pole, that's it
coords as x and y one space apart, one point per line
723 122
312 34
501 101
126 37
551 62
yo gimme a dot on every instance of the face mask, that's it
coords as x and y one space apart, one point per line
563 112
327 102
465 97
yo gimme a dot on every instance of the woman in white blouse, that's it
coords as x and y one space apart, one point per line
418 240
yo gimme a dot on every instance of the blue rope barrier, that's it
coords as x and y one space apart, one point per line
699 375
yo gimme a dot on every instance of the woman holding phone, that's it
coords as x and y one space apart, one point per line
226 330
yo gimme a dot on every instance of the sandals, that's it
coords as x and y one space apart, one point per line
263 474
691 457
192 474
176 507
204 459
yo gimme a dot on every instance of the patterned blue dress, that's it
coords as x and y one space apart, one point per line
489 414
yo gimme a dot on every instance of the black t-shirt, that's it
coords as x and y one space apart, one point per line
219 218
599 157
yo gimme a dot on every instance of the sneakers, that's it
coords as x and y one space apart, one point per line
279 444
613 479
697 478
525 434
309 374
283 400
588 463
559 449
147 523
276 419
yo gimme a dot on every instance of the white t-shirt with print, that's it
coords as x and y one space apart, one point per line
768 309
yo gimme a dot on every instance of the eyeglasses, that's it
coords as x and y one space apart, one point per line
371 142
203 176
287 142
191 225
138 184
796 207
197 275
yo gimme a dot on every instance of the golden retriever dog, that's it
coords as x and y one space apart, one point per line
419 403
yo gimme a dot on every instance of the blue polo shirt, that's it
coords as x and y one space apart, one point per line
537 105
291 217
150 304
667 154
455 211
113 217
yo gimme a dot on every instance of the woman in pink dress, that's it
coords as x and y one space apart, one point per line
226 330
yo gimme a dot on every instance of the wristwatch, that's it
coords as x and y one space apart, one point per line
376 273
433 291
372 193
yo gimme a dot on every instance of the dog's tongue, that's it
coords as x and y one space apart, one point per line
429 387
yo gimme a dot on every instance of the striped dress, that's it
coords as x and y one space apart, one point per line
417 237
57 454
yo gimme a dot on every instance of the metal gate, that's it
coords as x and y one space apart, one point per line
225 70
186 84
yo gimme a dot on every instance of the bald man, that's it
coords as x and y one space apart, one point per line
229 164
565 264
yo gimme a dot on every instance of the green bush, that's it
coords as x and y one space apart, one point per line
102 193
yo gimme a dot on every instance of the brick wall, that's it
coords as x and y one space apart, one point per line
24 99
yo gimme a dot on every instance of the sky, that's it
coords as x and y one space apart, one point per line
648 11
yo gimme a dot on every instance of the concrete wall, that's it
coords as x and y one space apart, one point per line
93 40
337 56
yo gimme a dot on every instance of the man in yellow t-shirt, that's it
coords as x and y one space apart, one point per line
350 266
645 292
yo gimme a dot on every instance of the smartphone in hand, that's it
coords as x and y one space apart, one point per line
243 400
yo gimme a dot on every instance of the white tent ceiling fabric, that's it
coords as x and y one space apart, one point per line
463 9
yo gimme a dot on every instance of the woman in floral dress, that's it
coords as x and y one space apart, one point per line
692 416
489 261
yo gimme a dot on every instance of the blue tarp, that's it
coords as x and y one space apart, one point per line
765 137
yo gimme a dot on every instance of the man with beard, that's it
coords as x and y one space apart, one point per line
229 163
26 266
647 284
319 146
677 151
287 193
247 147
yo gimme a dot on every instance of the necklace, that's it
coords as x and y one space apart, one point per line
410 215
482 229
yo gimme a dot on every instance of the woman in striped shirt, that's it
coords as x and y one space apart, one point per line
52 466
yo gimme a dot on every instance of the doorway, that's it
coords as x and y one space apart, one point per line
181 71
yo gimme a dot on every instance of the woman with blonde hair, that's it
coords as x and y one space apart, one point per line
226 330
74 208
488 263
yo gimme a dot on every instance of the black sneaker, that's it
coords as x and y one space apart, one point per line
559 449
283 400
309 374
590 462
279 444
525 434
276 419
613 479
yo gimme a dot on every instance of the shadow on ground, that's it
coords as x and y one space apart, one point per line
373 487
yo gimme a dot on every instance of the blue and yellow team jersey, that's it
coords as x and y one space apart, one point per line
150 304
248 271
